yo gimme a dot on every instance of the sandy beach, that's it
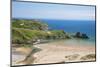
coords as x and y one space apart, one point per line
56 52
52 33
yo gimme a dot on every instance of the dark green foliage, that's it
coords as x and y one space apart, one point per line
26 31
26 36
58 34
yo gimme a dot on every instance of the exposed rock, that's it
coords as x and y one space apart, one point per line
78 35
88 57
81 35
72 57
84 36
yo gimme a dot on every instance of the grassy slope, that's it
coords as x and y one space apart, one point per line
25 31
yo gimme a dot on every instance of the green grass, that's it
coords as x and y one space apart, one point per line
25 31
24 35
29 24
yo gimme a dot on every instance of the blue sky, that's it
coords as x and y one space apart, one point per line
52 11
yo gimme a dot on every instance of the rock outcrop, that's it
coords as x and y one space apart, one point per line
81 35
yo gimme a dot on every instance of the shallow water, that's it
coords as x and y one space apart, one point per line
80 42
77 42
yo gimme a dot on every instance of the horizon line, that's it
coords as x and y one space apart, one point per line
49 19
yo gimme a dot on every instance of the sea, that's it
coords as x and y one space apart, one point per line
72 26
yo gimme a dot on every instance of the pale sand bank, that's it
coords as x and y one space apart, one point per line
58 52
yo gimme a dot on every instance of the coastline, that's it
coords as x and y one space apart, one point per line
55 52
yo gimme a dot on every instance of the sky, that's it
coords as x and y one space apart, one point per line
30 10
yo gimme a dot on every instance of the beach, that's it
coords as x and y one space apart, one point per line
57 52
52 33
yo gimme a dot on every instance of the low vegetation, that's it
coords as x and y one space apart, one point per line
27 31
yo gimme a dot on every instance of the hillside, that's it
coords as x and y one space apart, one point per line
29 31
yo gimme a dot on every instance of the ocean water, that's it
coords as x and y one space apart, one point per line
73 26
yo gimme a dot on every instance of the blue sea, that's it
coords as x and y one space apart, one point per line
73 26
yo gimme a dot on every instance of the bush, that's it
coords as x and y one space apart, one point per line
26 31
